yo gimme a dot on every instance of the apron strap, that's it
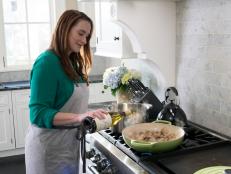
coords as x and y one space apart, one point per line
83 148
81 136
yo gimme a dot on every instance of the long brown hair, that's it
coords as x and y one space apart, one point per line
76 64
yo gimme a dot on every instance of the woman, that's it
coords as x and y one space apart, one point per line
59 96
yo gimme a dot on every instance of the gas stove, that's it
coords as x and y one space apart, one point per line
201 148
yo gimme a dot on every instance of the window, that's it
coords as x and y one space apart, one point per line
25 31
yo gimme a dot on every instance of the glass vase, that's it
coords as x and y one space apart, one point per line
122 96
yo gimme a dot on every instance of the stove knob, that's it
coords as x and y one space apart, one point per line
96 158
109 170
102 164
90 153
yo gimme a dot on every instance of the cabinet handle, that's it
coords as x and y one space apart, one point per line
11 140
4 62
116 38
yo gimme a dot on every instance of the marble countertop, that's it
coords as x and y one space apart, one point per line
4 86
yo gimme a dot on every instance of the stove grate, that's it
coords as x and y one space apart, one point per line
195 138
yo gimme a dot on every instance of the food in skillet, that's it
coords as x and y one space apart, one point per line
153 135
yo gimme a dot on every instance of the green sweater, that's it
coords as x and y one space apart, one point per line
50 89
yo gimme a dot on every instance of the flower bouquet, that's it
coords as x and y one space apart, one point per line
116 78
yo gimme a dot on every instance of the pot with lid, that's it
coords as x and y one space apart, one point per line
120 115
130 113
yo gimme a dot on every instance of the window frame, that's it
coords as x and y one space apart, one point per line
3 67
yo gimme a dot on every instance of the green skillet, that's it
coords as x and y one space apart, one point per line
153 147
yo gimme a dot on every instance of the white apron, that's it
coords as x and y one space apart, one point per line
56 151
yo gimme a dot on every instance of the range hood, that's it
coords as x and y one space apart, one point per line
152 77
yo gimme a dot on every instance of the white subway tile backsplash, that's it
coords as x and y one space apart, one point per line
14 76
222 40
193 27
225 107
222 66
189 15
227 25
226 13
203 59
226 80
213 78
215 52
99 66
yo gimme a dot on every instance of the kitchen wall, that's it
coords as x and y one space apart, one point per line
203 58
153 22
14 76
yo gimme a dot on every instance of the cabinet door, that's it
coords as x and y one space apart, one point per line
89 9
7 141
108 34
99 94
20 100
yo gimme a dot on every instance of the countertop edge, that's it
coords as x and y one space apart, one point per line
17 85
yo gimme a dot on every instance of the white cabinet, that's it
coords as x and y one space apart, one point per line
99 94
110 40
6 122
14 114
14 118
20 100
89 9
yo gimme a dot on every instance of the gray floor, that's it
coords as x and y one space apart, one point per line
12 165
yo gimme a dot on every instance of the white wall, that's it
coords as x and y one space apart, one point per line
154 24
62 5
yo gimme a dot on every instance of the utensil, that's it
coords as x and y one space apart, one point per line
153 146
142 94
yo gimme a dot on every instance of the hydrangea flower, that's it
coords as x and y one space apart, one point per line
117 78
131 74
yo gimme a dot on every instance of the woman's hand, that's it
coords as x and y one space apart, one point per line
69 118
98 113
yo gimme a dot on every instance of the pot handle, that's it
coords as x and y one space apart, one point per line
148 105
162 121
137 144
